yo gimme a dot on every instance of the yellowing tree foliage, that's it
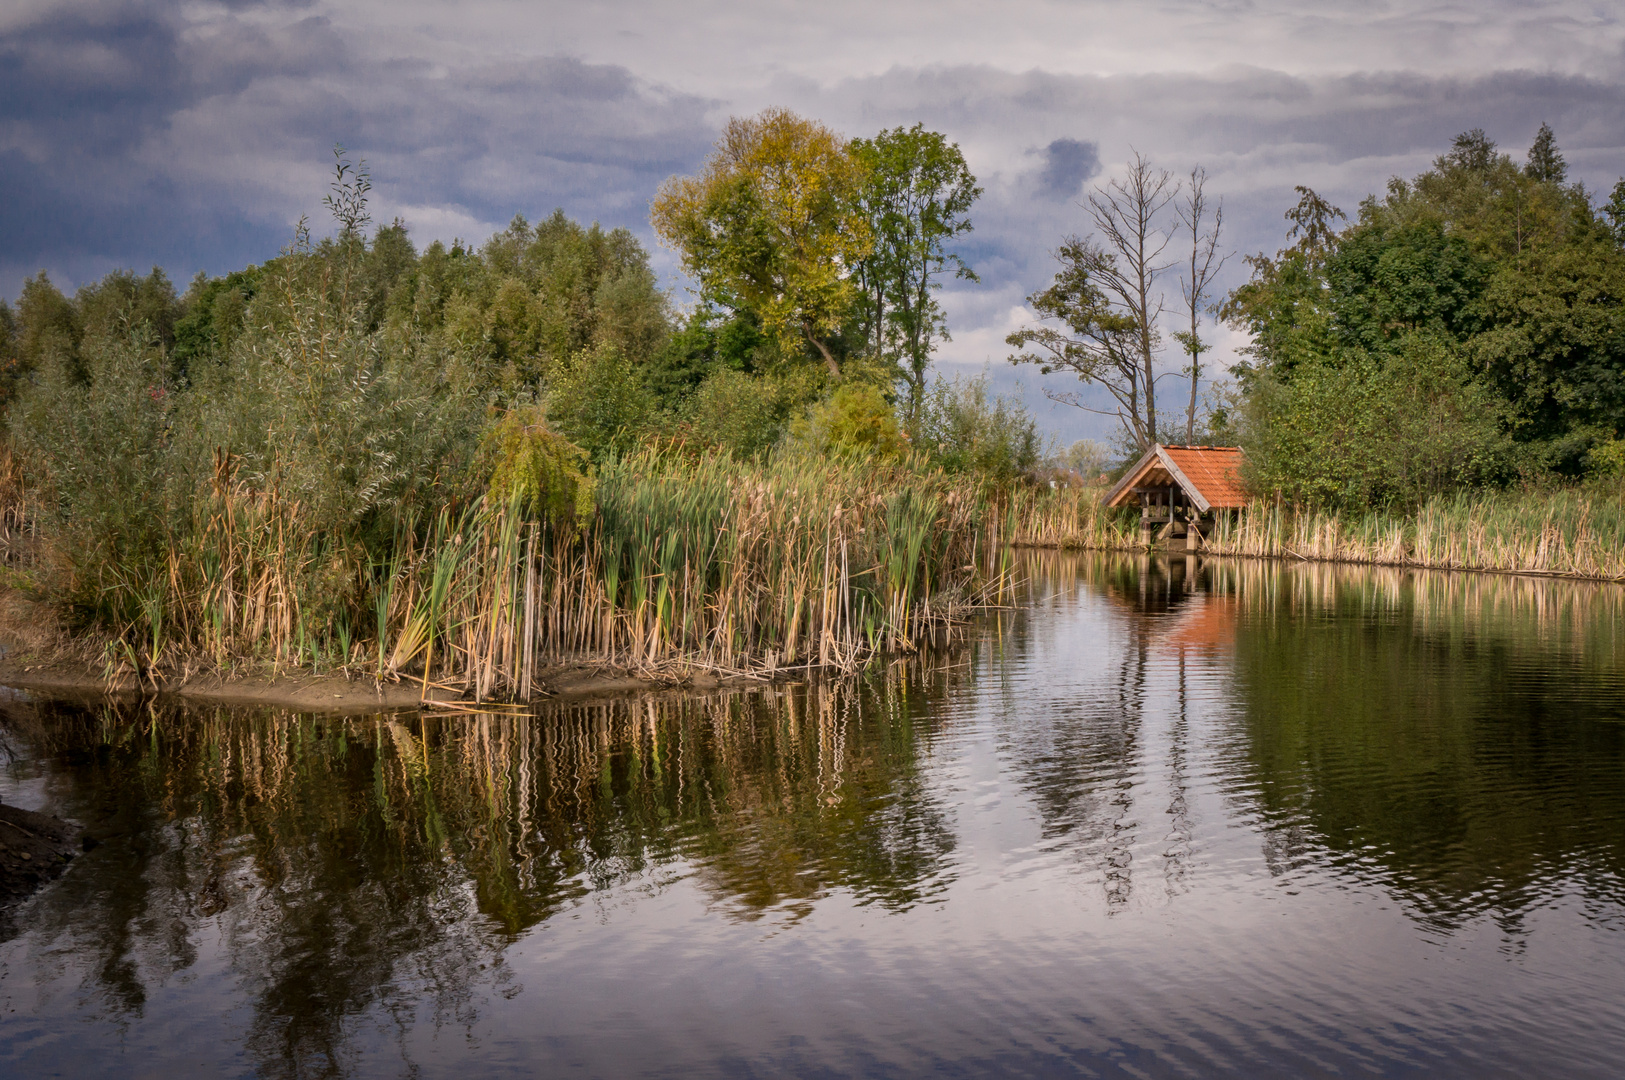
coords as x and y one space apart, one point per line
770 227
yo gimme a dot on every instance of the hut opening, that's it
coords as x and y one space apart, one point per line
1180 490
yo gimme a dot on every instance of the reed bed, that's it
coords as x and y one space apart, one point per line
684 565
1566 532
1069 517
1570 532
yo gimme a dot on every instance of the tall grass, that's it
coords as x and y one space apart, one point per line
1069 517
1570 531
1563 531
685 565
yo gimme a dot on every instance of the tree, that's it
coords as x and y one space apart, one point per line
1614 212
1283 306
915 195
1501 268
1095 340
10 360
1205 264
1472 150
1312 226
1125 213
1106 294
49 325
1546 162
771 226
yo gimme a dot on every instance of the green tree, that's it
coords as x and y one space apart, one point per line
1391 277
1546 162
1087 336
916 194
771 227
1506 269
1283 307
1613 212
600 402
1364 430
214 310
10 354
49 326
122 303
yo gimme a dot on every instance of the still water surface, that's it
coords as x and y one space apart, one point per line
1156 820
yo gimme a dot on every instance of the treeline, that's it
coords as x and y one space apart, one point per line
819 261
1464 331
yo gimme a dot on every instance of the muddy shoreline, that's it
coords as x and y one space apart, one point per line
34 851
328 693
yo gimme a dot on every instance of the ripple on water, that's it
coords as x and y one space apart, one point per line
1163 819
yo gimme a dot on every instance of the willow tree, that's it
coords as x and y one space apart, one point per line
769 227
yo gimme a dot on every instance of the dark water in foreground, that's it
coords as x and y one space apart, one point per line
1250 820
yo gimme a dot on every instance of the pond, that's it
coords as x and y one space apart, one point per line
1154 819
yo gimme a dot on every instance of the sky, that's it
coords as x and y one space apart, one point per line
194 136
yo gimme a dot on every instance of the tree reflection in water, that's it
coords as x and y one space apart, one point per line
1207 735
373 863
1455 737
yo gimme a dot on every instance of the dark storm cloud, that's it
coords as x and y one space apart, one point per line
88 95
129 135
1067 164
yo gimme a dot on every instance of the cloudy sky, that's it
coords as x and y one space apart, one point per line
193 135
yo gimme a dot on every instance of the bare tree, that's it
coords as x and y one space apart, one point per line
1094 341
1205 264
1106 297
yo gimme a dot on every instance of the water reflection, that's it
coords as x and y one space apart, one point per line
347 857
1454 736
1167 746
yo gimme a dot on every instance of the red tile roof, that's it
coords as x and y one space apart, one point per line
1214 470
1210 475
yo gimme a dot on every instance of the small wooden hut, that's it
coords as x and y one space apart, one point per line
1179 488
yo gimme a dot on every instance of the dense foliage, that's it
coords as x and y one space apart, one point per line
297 459
1466 329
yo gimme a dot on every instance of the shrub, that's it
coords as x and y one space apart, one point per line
601 402
1377 431
102 450
854 419
963 429
543 474
734 411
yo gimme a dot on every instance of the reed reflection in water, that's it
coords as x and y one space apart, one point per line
1159 818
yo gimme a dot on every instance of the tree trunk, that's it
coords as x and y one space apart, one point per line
823 350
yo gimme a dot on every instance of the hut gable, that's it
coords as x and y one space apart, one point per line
1209 476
